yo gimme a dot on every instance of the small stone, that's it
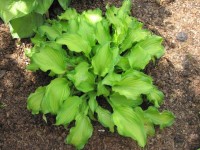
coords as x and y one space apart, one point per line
2 73
182 36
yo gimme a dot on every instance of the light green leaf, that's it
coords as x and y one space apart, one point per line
125 8
103 32
132 88
129 124
138 75
82 131
68 110
51 32
148 125
82 78
73 26
104 59
123 63
102 90
138 58
92 102
35 99
133 36
12 9
105 118
69 14
64 3
120 100
43 6
164 119
153 46
155 97
87 32
19 27
56 92
50 59
93 16
111 79
75 43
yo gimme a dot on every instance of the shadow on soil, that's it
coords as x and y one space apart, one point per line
182 97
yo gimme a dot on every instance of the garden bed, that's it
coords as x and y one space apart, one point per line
177 74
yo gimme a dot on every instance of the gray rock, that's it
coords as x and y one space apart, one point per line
182 36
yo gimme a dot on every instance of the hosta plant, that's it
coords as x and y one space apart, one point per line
24 16
94 57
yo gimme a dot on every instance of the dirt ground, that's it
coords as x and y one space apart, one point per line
177 74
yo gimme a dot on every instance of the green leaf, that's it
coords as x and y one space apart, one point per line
69 14
12 9
64 3
153 46
82 131
164 119
19 27
93 16
35 99
138 58
92 102
137 75
144 51
56 93
123 63
132 88
87 32
103 32
133 36
148 125
43 6
82 78
156 97
68 110
125 9
102 90
50 59
75 43
120 100
129 124
111 79
51 32
104 60
105 118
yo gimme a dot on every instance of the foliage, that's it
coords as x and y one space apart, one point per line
24 16
94 57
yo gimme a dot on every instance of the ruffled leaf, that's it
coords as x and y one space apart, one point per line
82 78
105 118
56 92
82 131
68 110
155 97
35 99
50 59
120 100
129 124
132 88
104 59
75 43
163 119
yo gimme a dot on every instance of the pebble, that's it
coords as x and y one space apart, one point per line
2 73
182 36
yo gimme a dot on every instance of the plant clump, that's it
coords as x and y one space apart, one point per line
92 56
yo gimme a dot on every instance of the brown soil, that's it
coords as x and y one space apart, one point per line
177 74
